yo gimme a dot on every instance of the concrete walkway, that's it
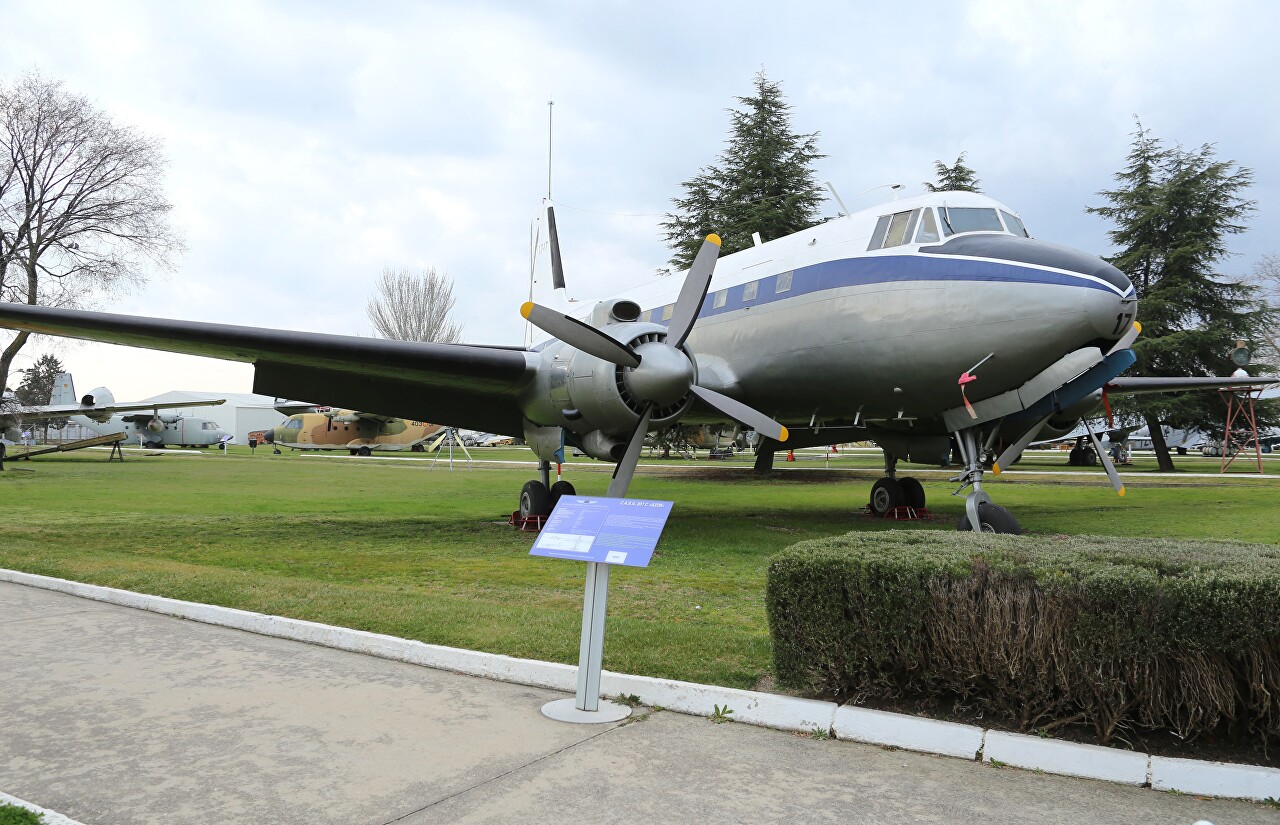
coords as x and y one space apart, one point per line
115 715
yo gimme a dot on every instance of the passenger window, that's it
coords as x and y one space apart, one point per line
749 291
721 297
667 311
928 232
784 282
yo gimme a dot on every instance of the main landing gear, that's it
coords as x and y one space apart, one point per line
892 492
539 497
979 509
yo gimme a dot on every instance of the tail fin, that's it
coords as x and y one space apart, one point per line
64 390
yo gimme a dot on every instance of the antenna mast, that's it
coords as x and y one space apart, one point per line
550 108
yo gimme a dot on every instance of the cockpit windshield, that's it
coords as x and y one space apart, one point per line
957 219
919 225
209 425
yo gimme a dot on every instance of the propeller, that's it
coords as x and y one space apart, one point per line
1015 449
660 372
1128 339
1116 483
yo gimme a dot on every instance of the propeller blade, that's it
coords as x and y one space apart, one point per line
557 266
1116 483
693 292
627 466
738 411
1015 449
579 335
1128 339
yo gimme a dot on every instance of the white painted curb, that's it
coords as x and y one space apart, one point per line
50 817
1067 758
910 732
1214 778
763 709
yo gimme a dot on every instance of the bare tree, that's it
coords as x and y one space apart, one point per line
81 206
408 307
1266 277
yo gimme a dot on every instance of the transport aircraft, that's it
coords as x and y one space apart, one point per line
99 411
908 323
359 433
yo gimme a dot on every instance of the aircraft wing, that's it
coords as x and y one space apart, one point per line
40 413
1136 385
455 384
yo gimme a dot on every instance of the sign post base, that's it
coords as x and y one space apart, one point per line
566 710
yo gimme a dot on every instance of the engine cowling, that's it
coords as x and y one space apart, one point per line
598 403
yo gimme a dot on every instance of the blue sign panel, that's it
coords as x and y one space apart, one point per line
608 530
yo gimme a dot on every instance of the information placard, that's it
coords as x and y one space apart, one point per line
609 530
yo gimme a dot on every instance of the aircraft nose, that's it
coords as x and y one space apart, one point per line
269 436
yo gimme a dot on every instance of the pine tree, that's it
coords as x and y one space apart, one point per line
956 178
763 182
37 387
1174 210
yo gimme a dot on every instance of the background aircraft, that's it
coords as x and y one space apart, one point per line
904 324
357 432
99 412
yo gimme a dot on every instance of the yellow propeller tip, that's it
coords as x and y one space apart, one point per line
995 468
785 434
1120 492
1137 326
526 308
713 238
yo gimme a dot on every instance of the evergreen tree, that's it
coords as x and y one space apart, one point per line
956 178
763 182
37 386
1173 211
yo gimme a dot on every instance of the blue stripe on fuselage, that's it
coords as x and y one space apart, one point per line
877 269
886 269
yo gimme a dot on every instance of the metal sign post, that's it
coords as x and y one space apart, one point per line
602 532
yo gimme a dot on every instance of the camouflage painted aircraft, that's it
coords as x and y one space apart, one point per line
908 324
357 432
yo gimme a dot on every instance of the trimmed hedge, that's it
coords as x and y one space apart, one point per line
1038 631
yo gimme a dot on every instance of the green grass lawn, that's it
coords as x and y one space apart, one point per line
425 553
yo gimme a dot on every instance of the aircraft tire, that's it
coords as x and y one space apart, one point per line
994 519
1090 458
535 500
561 488
364 452
913 492
418 448
886 494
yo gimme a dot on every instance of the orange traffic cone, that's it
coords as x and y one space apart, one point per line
791 455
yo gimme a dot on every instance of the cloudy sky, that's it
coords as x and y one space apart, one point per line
312 144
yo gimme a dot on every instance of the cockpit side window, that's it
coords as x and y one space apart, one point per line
1014 225
898 229
928 231
877 237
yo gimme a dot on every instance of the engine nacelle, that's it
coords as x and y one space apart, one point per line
593 399
155 425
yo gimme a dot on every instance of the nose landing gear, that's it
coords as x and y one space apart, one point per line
981 514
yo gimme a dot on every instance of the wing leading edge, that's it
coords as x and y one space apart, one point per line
455 384
1139 385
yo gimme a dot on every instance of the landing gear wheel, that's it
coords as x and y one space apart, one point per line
1090 458
535 500
912 492
993 519
561 488
418 448
885 495
364 452
1073 458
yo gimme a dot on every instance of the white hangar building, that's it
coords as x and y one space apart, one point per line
242 413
